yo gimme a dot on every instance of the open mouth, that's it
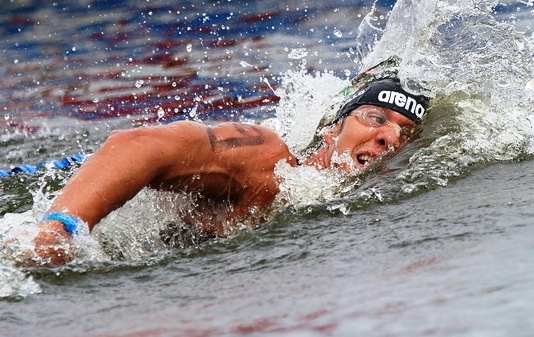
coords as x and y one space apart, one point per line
367 158
364 159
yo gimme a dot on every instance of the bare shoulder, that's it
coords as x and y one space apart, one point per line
224 137
216 139
187 147
234 136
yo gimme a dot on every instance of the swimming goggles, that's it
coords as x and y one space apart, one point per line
376 118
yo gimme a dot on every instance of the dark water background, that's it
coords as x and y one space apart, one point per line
452 259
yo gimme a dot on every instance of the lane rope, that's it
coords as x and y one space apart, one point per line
57 164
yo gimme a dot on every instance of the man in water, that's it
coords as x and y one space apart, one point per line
230 165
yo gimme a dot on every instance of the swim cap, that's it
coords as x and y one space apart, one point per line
386 93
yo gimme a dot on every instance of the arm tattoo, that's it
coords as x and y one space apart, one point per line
249 135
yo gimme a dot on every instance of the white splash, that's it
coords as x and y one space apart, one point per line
15 284
478 69
132 231
303 99
305 185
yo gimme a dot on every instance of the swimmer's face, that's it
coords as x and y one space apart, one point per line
365 134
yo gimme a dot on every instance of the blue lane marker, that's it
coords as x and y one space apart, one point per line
58 164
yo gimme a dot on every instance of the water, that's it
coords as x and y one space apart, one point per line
436 242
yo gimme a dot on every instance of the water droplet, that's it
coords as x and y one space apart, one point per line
298 53
193 112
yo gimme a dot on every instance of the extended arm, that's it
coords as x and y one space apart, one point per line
126 163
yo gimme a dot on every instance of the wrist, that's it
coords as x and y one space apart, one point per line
70 223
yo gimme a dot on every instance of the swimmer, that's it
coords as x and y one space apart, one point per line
230 165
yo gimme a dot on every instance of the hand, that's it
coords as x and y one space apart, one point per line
52 244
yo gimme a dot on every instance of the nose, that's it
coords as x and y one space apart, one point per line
388 136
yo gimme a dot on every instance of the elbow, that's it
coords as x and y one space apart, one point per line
131 146
141 148
135 140
122 136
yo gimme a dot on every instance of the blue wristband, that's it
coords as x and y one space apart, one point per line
70 222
